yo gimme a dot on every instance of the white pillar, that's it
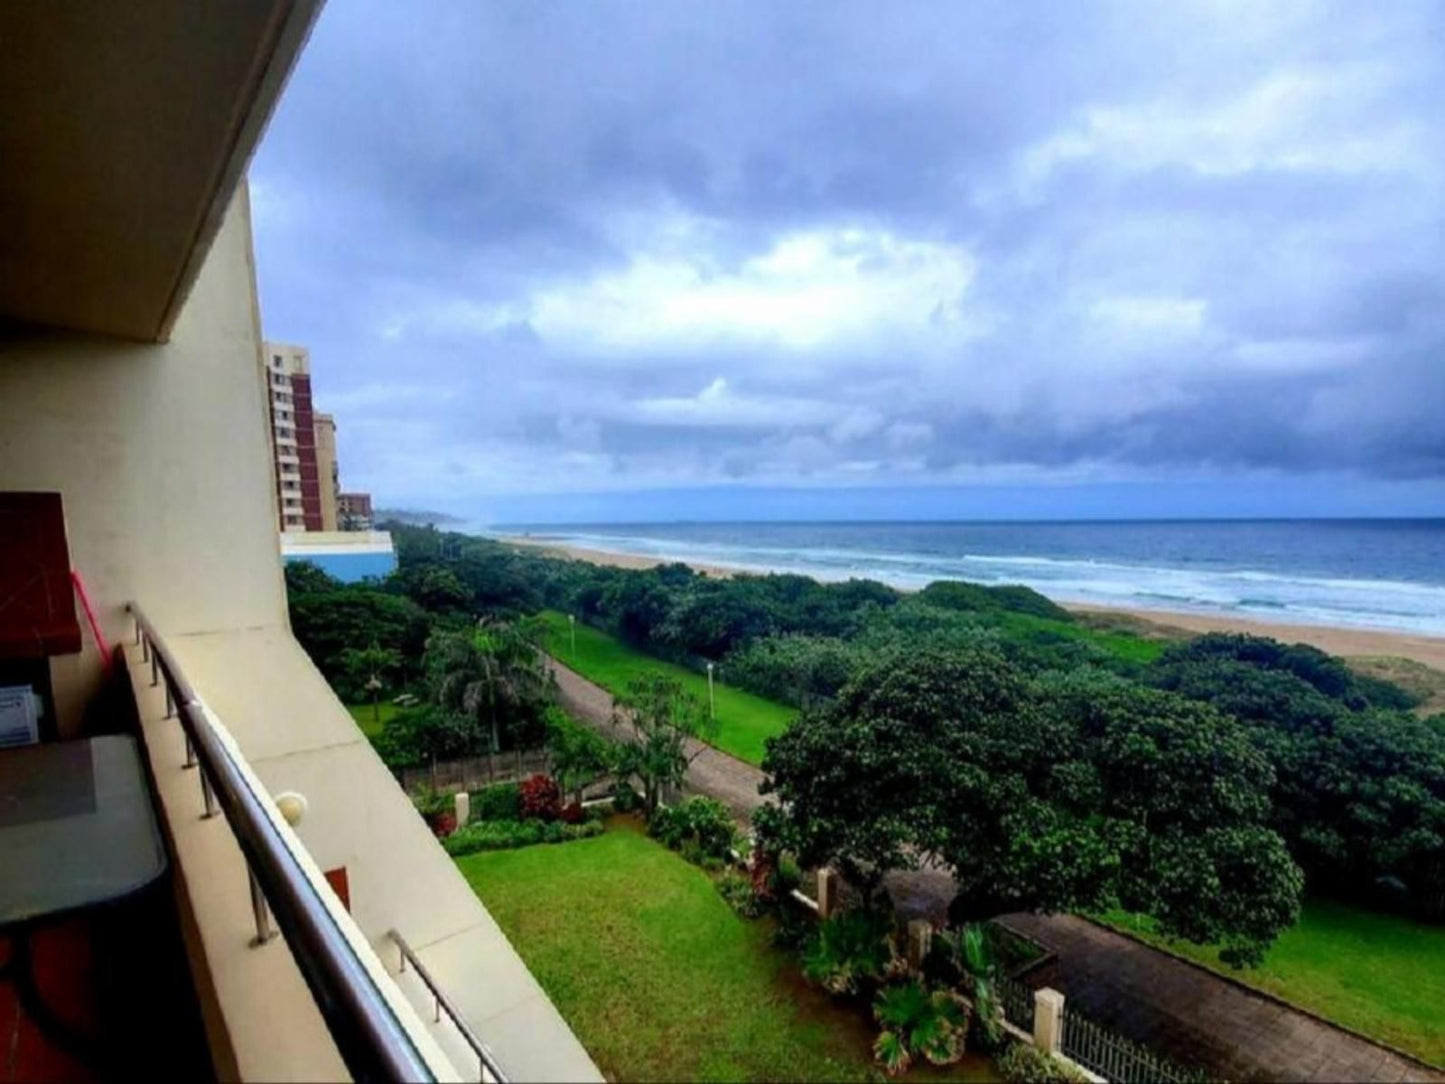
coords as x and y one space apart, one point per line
463 804
1048 1020
920 940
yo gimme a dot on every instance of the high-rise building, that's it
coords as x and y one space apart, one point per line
254 895
328 471
293 437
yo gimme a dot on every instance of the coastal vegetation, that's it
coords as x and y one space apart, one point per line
1354 781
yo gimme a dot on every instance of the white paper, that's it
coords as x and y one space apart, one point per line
17 716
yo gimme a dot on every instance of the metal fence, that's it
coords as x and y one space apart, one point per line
1116 1058
474 773
1017 1002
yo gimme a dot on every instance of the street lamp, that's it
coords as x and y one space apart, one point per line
373 686
711 702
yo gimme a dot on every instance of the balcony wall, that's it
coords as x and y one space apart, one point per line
162 455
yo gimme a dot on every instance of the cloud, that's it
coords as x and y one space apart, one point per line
766 245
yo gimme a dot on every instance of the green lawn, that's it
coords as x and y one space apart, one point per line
744 720
659 978
362 713
1380 974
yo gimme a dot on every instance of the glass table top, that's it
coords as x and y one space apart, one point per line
77 827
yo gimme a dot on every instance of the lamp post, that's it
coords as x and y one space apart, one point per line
373 686
572 628
711 701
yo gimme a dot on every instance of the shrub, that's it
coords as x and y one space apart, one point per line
917 1021
438 810
540 799
701 828
1025 1064
573 813
625 799
737 890
849 950
506 835
502 802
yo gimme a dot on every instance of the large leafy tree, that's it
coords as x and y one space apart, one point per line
657 718
1069 793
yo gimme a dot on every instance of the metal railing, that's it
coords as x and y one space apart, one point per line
1116 1058
487 1061
1017 1002
371 1040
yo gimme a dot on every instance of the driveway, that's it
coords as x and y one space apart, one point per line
1183 1012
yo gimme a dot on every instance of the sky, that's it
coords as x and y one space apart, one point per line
598 260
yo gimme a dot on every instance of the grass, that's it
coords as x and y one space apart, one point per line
659 978
1425 682
745 721
1382 975
363 713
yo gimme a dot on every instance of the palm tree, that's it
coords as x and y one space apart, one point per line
487 674
366 667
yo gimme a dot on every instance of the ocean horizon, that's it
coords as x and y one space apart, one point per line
1386 574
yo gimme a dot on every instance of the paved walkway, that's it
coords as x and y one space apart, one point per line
1186 1013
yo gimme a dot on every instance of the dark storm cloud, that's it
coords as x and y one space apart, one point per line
563 245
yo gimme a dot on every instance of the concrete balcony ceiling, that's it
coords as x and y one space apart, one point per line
125 129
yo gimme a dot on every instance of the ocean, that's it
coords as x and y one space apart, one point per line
1383 574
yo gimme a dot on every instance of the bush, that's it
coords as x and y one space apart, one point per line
850 950
700 828
502 802
916 1020
540 798
506 835
737 890
437 809
1025 1064
625 798
573 813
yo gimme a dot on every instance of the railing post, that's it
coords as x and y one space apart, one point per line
208 796
170 702
1048 1020
145 648
190 753
259 911
155 671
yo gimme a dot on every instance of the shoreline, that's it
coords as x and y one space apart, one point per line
1345 641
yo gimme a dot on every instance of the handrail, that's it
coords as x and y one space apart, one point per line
444 1004
371 1040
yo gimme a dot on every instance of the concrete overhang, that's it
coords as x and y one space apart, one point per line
125 128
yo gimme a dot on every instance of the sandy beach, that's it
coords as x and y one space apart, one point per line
1349 642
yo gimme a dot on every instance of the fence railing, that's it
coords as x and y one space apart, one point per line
1118 1059
1017 1002
488 1070
474 773
369 1037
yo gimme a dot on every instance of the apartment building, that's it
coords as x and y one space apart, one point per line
208 800
355 511
303 443
328 471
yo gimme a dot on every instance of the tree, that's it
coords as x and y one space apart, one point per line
1076 792
367 668
578 755
659 718
494 675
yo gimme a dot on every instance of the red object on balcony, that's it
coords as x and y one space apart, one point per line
37 599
